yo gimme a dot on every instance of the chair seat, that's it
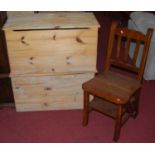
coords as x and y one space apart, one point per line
112 86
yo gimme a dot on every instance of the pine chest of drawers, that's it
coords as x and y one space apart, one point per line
50 56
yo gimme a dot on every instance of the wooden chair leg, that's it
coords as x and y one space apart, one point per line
118 123
137 104
133 105
86 109
136 107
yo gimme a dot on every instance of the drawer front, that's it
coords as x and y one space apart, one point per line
49 92
52 51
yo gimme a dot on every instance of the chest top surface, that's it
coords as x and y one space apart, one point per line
58 20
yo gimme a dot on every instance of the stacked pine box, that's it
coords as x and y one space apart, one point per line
50 56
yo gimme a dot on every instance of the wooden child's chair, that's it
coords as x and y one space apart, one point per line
116 93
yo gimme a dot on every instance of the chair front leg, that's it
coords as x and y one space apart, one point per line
118 123
86 108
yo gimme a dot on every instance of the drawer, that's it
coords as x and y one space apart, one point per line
49 92
51 52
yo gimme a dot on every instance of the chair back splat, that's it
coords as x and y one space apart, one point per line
117 94
119 45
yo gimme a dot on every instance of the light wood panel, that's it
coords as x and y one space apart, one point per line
51 21
49 92
52 51
11 14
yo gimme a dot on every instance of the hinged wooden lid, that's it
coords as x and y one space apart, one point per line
51 21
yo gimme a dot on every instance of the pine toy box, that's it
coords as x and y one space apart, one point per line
50 56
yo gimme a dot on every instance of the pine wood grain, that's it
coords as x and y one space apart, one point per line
51 21
50 56
52 51
49 92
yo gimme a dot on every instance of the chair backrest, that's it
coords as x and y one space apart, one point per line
120 41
